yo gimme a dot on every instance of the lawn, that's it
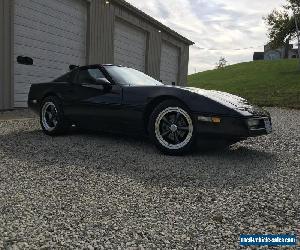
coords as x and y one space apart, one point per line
265 83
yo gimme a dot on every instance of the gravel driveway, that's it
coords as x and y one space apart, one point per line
109 192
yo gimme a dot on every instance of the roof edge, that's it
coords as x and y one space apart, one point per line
142 14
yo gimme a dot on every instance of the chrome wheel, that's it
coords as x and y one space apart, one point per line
174 128
49 116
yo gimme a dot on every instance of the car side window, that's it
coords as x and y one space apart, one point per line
89 76
64 78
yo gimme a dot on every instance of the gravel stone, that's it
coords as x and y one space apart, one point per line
98 191
17 114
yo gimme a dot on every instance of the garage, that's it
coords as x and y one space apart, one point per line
169 66
130 46
53 34
58 33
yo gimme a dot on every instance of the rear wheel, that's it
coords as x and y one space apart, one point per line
171 128
52 118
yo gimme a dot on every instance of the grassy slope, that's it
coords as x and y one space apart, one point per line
266 83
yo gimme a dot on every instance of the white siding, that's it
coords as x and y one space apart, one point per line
169 66
53 33
130 46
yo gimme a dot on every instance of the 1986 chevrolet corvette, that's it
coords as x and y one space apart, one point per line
121 99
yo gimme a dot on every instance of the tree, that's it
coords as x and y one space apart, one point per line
295 7
283 25
222 63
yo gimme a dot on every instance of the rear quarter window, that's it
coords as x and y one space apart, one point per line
65 78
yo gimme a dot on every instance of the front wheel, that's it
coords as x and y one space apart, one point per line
171 128
52 117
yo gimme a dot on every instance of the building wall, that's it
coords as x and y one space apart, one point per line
102 23
273 54
293 53
6 83
279 53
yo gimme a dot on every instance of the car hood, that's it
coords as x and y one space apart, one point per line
231 101
227 99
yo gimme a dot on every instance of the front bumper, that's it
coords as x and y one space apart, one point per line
234 127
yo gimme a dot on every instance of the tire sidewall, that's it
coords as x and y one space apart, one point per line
151 128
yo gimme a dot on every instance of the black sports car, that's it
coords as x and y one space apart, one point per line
121 99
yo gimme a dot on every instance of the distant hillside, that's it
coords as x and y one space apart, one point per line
266 83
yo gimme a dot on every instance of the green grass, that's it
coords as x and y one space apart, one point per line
265 83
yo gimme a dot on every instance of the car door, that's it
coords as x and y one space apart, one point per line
93 105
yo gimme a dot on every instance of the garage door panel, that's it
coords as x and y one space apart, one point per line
22 100
42 14
49 44
52 55
49 8
70 4
130 46
20 104
130 63
36 76
53 33
125 52
128 42
139 38
41 67
42 64
40 22
24 81
42 72
59 36
22 40
71 10
23 93
25 47
123 42
47 20
39 13
169 68
59 56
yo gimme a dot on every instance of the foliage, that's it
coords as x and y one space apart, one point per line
222 63
294 4
265 83
281 24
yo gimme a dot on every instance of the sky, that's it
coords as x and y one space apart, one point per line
222 25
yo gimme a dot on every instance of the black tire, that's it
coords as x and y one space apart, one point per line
57 124
171 128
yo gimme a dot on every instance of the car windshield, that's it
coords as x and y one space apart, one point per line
132 77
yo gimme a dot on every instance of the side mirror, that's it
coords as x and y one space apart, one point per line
103 82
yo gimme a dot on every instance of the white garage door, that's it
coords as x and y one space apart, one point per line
53 33
169 66
130 46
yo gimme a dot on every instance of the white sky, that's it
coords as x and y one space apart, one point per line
217 24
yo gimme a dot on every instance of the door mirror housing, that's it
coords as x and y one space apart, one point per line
103 82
